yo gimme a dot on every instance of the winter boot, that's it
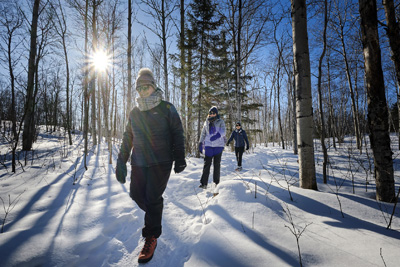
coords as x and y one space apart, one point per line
203 186
148 250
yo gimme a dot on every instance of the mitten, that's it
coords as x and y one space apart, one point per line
121 171
180 165
215 137
201 147
227 144
247 147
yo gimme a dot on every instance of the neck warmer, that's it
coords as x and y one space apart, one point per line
150 102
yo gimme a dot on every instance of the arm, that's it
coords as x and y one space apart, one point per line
127 141
246 140
178 138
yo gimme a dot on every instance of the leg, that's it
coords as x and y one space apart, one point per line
237 154
240 152
206 170
217 167
157 180
138 186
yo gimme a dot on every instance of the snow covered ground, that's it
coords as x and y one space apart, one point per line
57 214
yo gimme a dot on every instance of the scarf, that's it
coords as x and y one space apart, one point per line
150 102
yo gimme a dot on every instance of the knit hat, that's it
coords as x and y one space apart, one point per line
145 77
238 123
213 110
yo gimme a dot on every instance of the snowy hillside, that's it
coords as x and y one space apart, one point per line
57 214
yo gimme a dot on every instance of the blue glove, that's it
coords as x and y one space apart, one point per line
121 171
201 147
215 137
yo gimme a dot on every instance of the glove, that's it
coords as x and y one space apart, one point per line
180 165
215 137
201 148
227 144
247 147
120 171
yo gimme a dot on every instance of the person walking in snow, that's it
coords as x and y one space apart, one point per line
240 137
154 139
212 139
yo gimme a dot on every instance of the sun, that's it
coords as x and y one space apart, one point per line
100 60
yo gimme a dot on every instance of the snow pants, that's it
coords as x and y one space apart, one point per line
146 189
239 153
206 169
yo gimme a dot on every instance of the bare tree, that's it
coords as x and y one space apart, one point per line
321 108
29 125
61 29
377 108
11 20
393 32
304 113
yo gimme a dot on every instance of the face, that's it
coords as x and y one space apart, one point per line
145 90
212 114
237 126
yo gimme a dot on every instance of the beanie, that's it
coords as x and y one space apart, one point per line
238 123
145 77
213 109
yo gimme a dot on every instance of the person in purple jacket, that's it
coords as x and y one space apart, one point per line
212 139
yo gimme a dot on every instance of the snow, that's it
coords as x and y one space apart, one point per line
61 215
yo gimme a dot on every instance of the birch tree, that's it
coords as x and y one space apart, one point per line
304 113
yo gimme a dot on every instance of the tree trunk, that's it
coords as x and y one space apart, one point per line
393 32
321 108
28 133
164 44
182 68
86 85
129 55
377 108
304 111
93 78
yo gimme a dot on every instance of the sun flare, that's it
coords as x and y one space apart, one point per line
100 60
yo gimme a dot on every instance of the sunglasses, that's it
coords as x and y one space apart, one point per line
142 88
212 113
237 125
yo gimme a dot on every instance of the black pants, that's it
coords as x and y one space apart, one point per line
147 186
239 153
207 166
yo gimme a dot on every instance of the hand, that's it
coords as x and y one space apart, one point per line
247 147
121 171
215 137
180 165
201 148
227 144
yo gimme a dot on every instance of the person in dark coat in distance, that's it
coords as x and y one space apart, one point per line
212 139
154 139
240 137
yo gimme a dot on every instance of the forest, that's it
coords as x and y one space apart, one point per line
290 71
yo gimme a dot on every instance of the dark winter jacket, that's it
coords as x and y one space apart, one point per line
153 136
240 138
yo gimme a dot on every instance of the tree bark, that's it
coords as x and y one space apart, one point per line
29 124
93 78
393 32
321 108
129 55
304 113
377 107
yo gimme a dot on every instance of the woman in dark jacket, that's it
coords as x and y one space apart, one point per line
240 137
154 139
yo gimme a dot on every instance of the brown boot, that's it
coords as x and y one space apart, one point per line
148 250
